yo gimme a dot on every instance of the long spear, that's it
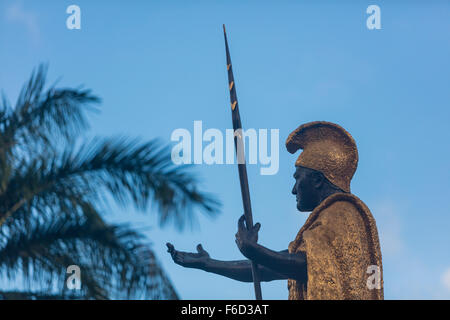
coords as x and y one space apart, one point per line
238 144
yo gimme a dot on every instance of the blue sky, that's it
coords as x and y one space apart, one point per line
160 65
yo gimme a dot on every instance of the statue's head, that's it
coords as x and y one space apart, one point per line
311 187
326 165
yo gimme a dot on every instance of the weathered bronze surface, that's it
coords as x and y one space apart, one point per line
340 241
338 244
328 148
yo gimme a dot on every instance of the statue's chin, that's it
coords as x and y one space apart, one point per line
302 208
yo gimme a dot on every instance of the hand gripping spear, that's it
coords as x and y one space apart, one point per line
239 147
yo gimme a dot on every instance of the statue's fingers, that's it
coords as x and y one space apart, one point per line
241 222
170 247
239 244
179 256
200 248
257 227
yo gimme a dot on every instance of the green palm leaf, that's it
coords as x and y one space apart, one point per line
55 187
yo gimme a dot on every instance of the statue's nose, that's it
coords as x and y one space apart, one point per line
294 190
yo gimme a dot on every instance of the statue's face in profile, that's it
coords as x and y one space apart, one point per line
306 189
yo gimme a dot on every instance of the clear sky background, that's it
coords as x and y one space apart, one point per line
160 65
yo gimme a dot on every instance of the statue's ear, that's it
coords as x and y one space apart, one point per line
318 179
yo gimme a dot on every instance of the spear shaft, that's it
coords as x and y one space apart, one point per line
239 147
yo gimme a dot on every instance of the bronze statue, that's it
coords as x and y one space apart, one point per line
332 254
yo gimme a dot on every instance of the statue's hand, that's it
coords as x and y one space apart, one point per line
188 259
246 239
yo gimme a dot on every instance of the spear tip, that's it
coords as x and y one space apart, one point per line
224 31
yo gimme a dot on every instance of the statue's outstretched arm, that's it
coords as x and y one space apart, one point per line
293 265
238 270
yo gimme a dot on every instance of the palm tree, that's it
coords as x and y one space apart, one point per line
54 190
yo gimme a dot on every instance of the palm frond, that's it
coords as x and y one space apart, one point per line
54 188
114 260
129 171
44 116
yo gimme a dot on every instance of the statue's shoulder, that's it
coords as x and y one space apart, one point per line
341 207
342 201
337 212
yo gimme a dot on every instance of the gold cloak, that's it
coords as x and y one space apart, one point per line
340 240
